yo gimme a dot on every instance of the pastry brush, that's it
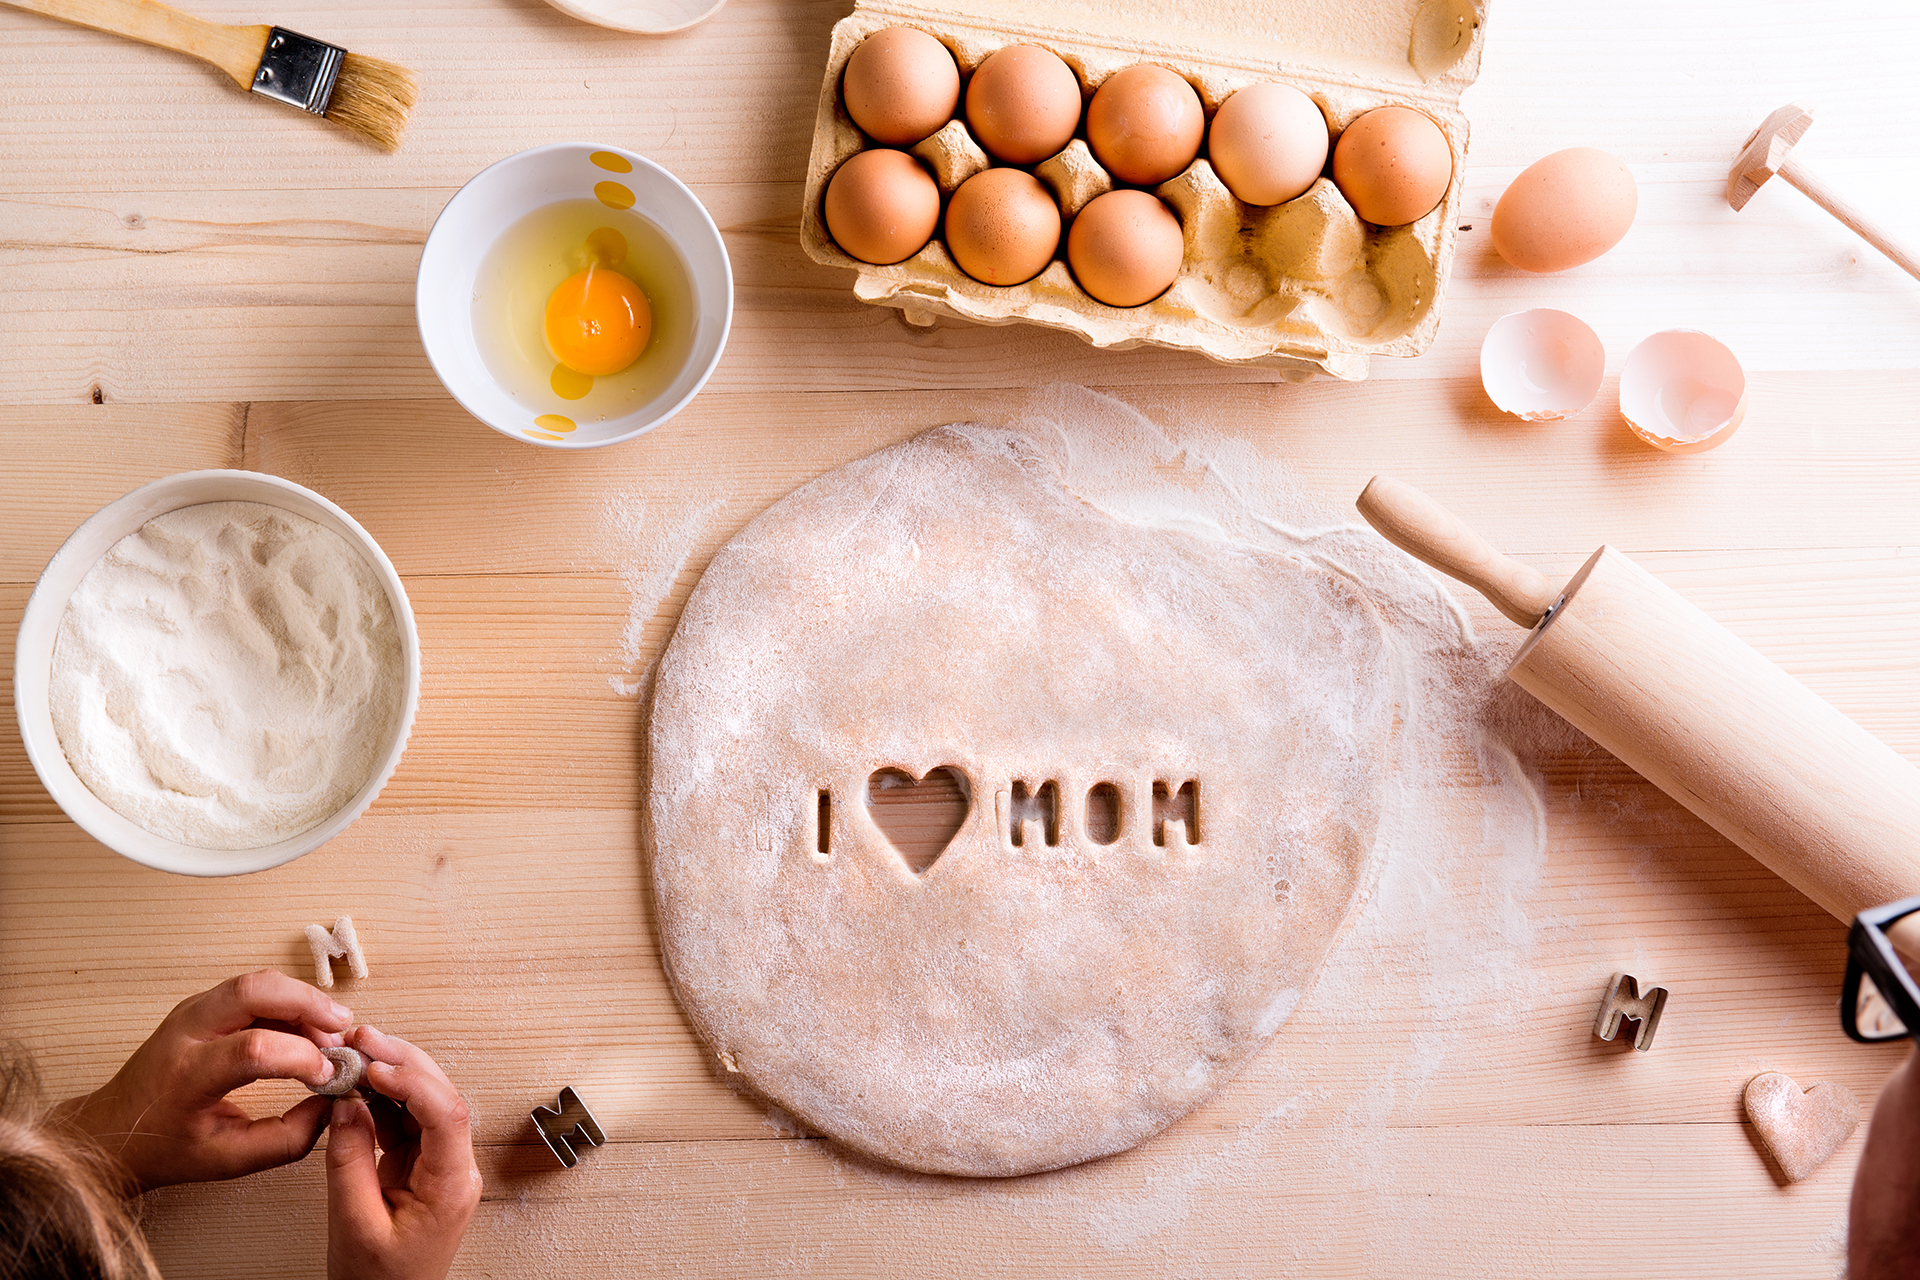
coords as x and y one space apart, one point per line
366 95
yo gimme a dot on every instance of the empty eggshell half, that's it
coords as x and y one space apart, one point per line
1542 364
1683 391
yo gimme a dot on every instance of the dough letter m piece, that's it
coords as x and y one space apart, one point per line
328 947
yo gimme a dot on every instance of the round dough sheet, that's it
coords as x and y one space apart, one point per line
1024 1003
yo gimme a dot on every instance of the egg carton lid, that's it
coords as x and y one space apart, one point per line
1423 48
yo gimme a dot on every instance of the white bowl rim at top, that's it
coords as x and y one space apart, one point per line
474 218
649 17
40 625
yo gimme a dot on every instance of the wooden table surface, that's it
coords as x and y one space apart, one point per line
189 278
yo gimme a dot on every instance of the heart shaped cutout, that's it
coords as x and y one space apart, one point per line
1800 1128
919 816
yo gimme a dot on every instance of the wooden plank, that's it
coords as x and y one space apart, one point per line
496 78
86 456
1263 1198
519 947
738 91
185 276
1824 460
529 682
234 280
292 294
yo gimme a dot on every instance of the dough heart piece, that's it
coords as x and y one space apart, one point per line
1060 983
1800 1128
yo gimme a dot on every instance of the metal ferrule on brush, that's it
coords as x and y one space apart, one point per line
299 70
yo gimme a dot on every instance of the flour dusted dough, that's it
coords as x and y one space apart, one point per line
946 603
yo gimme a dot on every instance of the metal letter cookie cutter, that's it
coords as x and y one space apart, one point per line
560 1127
1623 1000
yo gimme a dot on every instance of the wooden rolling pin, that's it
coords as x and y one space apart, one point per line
1828 807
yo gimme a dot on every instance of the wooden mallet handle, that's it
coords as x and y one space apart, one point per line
1766 152
1857 222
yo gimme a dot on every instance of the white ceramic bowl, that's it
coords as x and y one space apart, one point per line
33 663
507 191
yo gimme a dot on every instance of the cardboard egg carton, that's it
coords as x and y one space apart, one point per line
1306 287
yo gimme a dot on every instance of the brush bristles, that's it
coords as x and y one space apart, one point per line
372 97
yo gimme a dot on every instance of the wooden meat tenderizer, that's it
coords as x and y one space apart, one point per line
1825 805
1766 153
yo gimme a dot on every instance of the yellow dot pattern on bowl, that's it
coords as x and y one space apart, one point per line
570 384
612 162
613 195
542 435
554 422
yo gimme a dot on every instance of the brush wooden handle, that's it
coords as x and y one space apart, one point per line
235 50
1428 532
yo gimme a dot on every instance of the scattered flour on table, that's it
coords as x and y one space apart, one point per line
228 675
1831 1248
651 559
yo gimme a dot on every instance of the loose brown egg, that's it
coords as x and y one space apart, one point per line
1393 165
1268 143
1002 226
1023 104
1144 124
900 85
1125 248
1564 210
882 206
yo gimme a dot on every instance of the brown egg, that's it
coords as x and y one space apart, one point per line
1023 104
1125 248
1393 165
1002 226
1144 124
882 206
900 85
1564 210
1268 143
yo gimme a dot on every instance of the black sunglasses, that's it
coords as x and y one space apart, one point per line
1880 1001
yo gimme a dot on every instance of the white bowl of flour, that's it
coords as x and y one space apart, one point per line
217 673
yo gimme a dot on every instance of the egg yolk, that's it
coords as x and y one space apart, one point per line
598 322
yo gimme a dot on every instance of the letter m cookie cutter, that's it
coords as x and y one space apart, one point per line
570 1123
1623 1000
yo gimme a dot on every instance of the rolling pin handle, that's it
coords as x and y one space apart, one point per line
1428 532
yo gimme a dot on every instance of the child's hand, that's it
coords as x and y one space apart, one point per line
165 1117
401 1219
1883 1233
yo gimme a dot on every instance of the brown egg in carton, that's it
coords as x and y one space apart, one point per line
1306 287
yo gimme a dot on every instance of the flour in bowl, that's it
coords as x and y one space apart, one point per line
229 675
